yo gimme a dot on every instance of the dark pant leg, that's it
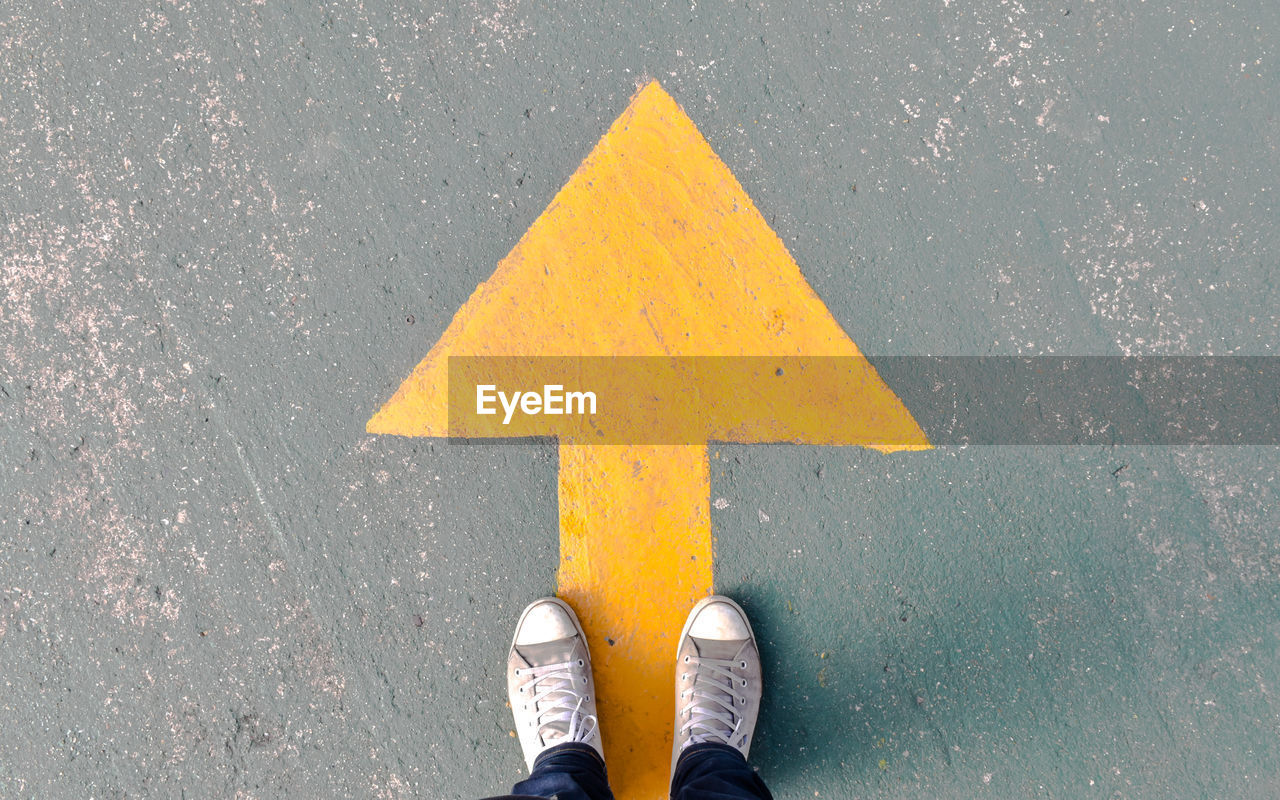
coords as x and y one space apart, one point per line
572 771
712 771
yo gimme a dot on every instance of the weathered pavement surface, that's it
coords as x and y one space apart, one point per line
228 232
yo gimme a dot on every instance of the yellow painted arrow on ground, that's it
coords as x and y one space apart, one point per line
651 249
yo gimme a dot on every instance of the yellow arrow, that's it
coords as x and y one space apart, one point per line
651 249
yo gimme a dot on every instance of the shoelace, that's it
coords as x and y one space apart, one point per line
712 711
558 680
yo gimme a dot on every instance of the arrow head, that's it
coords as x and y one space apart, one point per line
653 249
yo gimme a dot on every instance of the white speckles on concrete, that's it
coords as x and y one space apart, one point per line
227 230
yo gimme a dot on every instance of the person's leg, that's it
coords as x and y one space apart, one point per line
568 772
713 771
553 701
718 690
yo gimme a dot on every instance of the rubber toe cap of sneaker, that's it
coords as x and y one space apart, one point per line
720 621
546 622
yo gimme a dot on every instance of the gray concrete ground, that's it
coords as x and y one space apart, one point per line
229 231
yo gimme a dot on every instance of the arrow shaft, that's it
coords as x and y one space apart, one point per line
635 555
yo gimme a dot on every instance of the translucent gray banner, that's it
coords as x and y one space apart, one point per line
1064 400
872 401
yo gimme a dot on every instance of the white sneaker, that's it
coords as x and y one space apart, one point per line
549 680
718 678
